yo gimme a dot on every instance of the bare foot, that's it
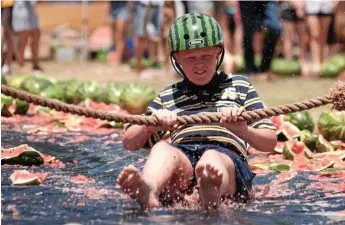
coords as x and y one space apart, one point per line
210 181
137 188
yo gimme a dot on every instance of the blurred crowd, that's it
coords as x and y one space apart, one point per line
295 30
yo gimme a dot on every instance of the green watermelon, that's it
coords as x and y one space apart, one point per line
3 80
285 67
15 81
136 98
111 93
102 55
302 120
47 77
271 166
56 91
146 63
309 139
292 148
6 101
331 125
22 107
72 87
35 85
322 145
240 63
89 89
333 66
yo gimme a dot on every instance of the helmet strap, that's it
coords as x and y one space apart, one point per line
219 63
177 66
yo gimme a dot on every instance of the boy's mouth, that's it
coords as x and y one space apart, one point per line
200 72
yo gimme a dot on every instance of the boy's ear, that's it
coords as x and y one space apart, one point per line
218 51
176 57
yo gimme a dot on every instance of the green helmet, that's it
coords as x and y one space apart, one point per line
194 30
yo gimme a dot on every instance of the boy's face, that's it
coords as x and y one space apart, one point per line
199 65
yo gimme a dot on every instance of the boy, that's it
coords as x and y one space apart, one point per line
213 156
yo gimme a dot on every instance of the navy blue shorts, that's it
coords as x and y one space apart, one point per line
244 176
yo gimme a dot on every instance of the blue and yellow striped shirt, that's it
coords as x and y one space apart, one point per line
224 90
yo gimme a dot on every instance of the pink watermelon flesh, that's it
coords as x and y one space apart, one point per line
23 177
22 155
287 131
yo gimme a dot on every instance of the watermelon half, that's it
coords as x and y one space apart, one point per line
22 155
292 148
23 177
322 145
287 131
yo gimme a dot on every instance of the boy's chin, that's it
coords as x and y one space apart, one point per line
201 81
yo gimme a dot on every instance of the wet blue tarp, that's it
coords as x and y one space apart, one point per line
60 201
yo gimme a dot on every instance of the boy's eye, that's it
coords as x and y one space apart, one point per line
191 58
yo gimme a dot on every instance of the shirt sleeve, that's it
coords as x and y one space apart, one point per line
155 137
253 102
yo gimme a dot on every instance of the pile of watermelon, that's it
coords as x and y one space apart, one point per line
331 68
312 145
146 63
133 97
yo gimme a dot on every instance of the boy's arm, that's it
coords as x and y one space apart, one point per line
141 136
262 139
261 134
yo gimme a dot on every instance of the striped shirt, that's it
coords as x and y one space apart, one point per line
224 90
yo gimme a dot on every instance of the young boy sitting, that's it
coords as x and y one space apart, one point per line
213 155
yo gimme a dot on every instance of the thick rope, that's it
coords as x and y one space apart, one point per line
337 98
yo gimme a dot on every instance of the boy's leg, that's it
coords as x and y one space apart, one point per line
165 166
215 173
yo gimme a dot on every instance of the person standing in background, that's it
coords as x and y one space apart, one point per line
206 7
25 24
169 16
319 16
154 29
293 21
119 15
147 14
6 22
230 20
254 15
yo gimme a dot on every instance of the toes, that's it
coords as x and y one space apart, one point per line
127 174
121 177
131 169
199 169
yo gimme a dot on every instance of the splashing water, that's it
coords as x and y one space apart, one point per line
93 198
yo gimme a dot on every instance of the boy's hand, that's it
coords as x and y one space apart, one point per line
166 118
229 121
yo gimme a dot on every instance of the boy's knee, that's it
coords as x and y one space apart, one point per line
163 146
210 157
210 154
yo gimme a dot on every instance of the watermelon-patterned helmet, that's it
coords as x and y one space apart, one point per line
194 30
